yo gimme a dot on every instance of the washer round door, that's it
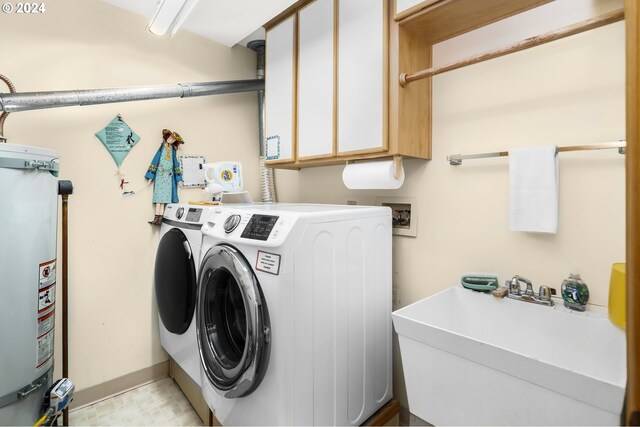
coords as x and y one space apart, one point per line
175 281
232 323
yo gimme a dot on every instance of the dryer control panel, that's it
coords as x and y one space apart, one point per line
183 213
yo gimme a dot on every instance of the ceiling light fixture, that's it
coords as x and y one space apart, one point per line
170 15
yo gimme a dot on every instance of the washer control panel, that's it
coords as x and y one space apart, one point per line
259 227
239 226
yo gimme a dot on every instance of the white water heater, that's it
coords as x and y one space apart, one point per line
28 284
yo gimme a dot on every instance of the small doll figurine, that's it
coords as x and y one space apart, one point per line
165 171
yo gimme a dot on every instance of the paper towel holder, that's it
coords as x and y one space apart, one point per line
397 166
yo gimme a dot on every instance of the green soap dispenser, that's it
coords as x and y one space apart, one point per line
575 292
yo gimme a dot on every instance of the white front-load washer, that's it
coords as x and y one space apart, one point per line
176 283
294 313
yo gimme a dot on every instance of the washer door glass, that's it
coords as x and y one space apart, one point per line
175 281
232 322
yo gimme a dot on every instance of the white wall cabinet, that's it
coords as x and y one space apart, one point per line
280 91
316 82
361 76
340 110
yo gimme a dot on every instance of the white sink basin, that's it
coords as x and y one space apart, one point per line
472 359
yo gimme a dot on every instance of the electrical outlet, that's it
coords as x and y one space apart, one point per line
351 202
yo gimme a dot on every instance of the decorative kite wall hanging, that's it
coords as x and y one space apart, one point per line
118 138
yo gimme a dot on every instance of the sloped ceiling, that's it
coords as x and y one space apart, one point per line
224 21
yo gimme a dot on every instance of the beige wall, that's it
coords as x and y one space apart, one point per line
564 93
90 44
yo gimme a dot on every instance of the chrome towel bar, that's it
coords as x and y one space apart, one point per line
456 159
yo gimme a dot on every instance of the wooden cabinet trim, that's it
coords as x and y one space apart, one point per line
296 57
286 14
408 12
386 14
336 80
316 157
632 24
364 151
278 162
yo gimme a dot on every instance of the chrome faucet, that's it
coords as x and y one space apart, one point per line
543 296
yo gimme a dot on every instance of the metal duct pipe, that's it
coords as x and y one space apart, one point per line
267 183
14 102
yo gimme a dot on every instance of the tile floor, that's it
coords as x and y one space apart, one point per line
160 403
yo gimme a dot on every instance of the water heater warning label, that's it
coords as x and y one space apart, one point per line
45 348
47 274
46 298
46 323
268 262
46 317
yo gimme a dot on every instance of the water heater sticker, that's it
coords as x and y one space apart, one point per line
47 274
268 262
45 348
273 147
46 298
46 323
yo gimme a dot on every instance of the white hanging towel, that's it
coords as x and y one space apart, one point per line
533 176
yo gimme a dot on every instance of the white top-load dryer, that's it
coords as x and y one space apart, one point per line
294 313
176 283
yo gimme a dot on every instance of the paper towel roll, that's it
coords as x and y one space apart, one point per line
372 176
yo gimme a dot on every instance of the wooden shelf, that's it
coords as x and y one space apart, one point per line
450 18
411 42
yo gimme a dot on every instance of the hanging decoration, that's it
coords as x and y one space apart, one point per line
139 190
192 171
118 138
165 171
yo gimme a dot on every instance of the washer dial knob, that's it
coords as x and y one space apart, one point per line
231 223
179 212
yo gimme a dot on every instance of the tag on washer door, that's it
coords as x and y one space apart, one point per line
268 262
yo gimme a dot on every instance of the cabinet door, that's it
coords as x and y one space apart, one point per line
280 92
316 80
362 75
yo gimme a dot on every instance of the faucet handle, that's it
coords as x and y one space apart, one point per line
514 285
544 293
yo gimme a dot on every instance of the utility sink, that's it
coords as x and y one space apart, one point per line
472 359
